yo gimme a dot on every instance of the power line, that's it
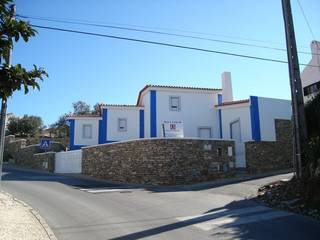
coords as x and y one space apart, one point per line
306 19
164 44
158 32
135 28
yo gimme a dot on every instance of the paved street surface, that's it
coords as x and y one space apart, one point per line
85 209
19 221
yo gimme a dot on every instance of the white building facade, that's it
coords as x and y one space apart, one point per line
204 113
310 75
156 104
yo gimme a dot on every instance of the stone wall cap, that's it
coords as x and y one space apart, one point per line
43 153
160 138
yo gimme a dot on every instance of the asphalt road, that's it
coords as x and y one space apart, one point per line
84 209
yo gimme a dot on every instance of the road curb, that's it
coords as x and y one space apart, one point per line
187 187
40 219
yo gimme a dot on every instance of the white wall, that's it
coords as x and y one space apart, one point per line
68 162
146 104
133 123
78 139
197 110
237 112
269 110
309 74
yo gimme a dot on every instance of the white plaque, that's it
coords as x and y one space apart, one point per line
230 151
173 129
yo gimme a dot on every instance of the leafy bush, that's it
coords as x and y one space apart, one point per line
312 112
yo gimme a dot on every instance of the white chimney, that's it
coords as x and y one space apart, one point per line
315 50
227 94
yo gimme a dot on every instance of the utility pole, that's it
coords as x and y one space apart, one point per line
299 123
4 102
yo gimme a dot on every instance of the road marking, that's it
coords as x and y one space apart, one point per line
225 212
106 190
230 218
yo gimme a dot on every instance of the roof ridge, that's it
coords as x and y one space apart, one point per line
119 105
233 102
182 87
178 87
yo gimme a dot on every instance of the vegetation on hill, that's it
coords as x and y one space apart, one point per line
25 126
301 195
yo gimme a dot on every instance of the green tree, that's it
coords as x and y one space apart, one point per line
81 108
13 126
13 77
311 173
60 127
312 111
96 108
25 126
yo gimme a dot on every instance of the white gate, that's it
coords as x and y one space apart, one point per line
240 154
68 162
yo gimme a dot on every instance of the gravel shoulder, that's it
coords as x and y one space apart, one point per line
19 221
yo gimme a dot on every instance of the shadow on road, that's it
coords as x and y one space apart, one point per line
230 223
12 173
15 173
229 220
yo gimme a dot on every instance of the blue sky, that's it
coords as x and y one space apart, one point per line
94 69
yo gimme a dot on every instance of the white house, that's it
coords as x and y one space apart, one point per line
310 76
204 113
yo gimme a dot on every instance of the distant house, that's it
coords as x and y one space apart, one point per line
204 112
310 76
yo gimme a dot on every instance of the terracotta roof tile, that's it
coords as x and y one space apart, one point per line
184 87
118 105
176 87
84 115
232 103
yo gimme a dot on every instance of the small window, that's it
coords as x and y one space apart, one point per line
175 103
219 151
122 124
87 131
204 132
313 88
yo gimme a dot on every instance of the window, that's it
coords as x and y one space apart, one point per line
219 151
175 103
204 132
86 131
313 88
122 124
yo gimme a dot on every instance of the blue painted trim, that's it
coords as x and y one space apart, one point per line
255 118
76 147
72 146
153 113
141 120
71 133
220 115
103 127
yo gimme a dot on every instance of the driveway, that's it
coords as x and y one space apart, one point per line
77 208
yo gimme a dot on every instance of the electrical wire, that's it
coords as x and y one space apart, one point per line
306 19
156 32
165 44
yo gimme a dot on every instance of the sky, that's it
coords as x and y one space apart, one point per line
95 69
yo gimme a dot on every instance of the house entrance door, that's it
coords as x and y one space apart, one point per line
235 131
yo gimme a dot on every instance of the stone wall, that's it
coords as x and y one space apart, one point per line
24 156
44 161
11 148
30 156
159 161
266 156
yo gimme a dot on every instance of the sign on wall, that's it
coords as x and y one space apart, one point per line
173 129
45 144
